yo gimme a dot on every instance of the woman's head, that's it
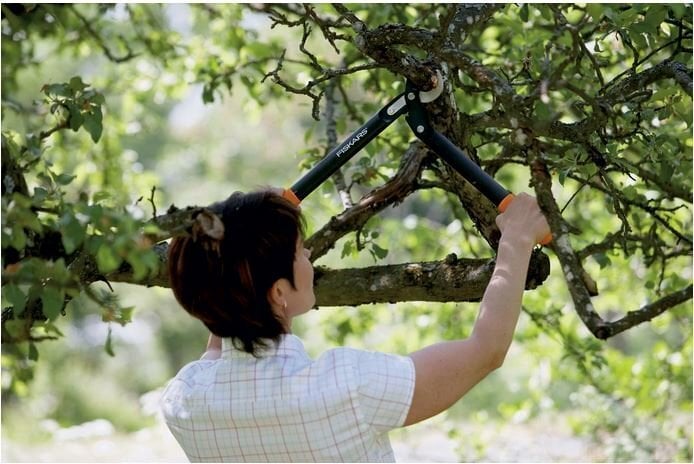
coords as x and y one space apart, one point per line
243 271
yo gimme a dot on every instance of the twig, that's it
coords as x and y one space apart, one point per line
151 201
100 41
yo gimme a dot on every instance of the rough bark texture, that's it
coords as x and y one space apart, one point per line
449 280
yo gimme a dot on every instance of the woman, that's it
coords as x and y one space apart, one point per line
257 396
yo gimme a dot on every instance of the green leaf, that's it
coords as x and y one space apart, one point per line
98 99
678 10
77 85
76 118
140 270
125 315
655 16
108 346
543 111
101 196
60 90
562 176
40 194
16 297
15 327
152 229
64 179
53 300
665 172
72 233
106 259
664 92
52 329
33 352
347 249
18 238
93 125
638 28
524 13
603 260
378 251
208 94
595 10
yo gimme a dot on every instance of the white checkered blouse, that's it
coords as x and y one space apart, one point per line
286 407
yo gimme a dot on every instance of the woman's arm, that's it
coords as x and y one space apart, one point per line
444 372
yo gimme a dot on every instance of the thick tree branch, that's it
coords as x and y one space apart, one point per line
452 279
467 17
570 264
418 71
379 43
618 91
483 76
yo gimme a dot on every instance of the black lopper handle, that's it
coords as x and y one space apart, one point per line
346 150
419 123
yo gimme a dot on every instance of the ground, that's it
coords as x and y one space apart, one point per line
539 440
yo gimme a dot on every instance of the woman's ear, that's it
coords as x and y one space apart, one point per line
277 294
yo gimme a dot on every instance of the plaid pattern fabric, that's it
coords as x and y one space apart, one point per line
286 407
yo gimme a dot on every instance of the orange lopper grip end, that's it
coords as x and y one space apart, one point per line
291 196
505 202
503 205
546 240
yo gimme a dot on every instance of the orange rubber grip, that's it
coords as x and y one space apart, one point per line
503 205
291 196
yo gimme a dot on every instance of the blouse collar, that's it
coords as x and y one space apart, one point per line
289 345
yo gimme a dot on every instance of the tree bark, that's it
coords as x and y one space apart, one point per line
451 279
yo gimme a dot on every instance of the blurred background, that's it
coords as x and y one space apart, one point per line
561 396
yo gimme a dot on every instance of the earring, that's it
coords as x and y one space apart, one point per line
285 306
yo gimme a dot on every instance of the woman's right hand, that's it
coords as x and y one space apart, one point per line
523 220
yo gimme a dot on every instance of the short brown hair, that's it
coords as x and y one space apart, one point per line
226 285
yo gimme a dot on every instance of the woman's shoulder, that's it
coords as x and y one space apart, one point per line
363 360
195 373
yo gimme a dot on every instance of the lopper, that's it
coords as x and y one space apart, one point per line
410 102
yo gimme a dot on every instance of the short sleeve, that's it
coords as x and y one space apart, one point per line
385 388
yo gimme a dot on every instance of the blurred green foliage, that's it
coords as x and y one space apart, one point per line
113 111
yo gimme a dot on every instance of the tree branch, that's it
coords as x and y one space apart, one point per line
647 312
417 71
452 279
403 183
575 275
331 134
100 41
